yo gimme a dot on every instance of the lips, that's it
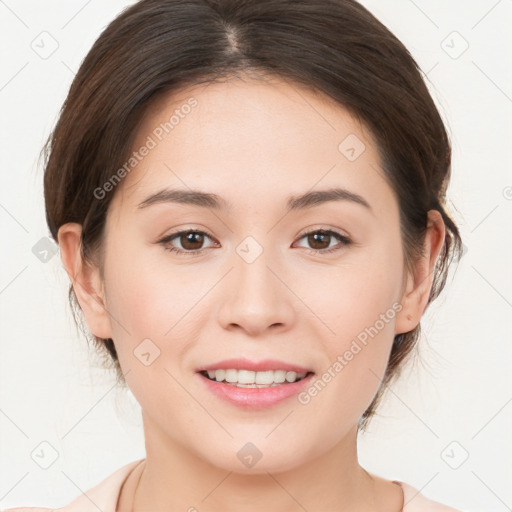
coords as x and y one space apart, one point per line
255 366
255 398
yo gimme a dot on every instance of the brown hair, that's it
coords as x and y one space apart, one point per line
336 47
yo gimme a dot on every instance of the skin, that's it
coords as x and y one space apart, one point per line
288 304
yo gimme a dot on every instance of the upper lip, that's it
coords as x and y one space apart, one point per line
256 366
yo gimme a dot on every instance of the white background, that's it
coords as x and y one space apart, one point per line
460 388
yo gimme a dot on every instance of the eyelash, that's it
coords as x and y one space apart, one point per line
345 241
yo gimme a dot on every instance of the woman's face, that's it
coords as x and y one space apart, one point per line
256 289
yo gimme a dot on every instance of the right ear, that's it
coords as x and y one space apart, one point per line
86 280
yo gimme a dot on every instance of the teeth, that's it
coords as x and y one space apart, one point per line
248 378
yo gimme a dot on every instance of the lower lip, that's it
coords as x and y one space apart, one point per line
255 398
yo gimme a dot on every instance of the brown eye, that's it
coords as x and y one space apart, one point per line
191 242
320 241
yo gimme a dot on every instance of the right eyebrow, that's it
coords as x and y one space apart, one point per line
193 197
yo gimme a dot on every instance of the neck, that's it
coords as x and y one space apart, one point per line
175 478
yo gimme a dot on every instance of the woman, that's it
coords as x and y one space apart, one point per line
249 202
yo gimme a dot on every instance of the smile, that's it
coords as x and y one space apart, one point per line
252 379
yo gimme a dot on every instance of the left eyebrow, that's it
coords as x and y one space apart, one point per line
209 200
315 198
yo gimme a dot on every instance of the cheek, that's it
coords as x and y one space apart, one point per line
353 297
143 295
154 301
153 330
357 358
359 305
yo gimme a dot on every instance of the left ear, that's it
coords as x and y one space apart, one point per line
418 286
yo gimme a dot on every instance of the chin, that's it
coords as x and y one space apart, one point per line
254 457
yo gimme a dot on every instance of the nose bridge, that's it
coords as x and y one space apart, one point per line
255 298
252 273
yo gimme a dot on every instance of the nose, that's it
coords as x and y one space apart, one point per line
255 296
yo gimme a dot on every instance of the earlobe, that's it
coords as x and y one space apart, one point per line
86 281
404 319
417 290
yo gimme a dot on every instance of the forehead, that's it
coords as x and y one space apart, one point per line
255 137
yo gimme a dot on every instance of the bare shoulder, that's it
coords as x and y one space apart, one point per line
415 501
